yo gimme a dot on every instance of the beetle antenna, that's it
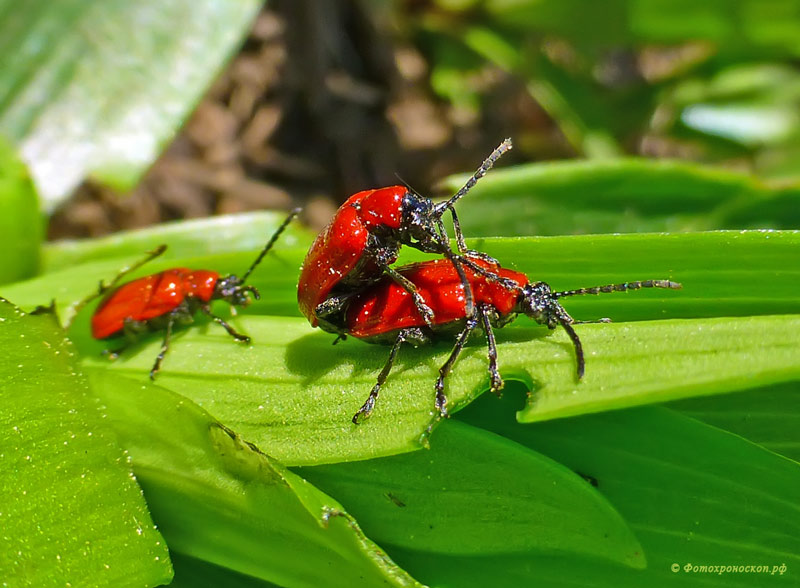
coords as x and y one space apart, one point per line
406 184
271 242
487 164
74 308
623 287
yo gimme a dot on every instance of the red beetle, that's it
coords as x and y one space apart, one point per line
159 301
363 240
385 313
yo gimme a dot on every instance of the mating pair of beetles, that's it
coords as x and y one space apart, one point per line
348 286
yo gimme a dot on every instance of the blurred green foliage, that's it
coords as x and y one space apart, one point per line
708 81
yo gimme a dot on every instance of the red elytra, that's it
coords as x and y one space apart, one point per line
150 297
174 296
363 239
385 313
337 255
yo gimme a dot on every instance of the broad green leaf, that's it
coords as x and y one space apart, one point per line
98 87
301 381
621 195
218 498
293 392
72 513
20 223
190 238
693 494
768 416
528 503
632 364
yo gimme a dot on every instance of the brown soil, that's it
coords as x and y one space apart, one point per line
297 123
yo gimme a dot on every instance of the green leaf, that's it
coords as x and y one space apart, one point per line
528 503
20 223
291 391
634 364
692 494
621 195
294 393
218 498
768 416
292 379
98 87
71 509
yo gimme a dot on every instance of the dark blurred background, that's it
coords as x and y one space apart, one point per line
329 97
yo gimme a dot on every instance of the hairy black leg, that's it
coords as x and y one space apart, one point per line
366 408
494 375
164 348
457 261
461 340
131 330
462 244
331 306
424 310
113 354
565 320
506 283
231 331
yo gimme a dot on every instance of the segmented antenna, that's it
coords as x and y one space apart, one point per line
271 242
506 145
623 287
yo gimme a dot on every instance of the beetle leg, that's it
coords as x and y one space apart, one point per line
424 310
131 330
415 335
332 305
457 261
562 317
462 245
113 354
506 283
474 254
461 340
494 375
164 348
231 331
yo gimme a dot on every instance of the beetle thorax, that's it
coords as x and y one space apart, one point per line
419 223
